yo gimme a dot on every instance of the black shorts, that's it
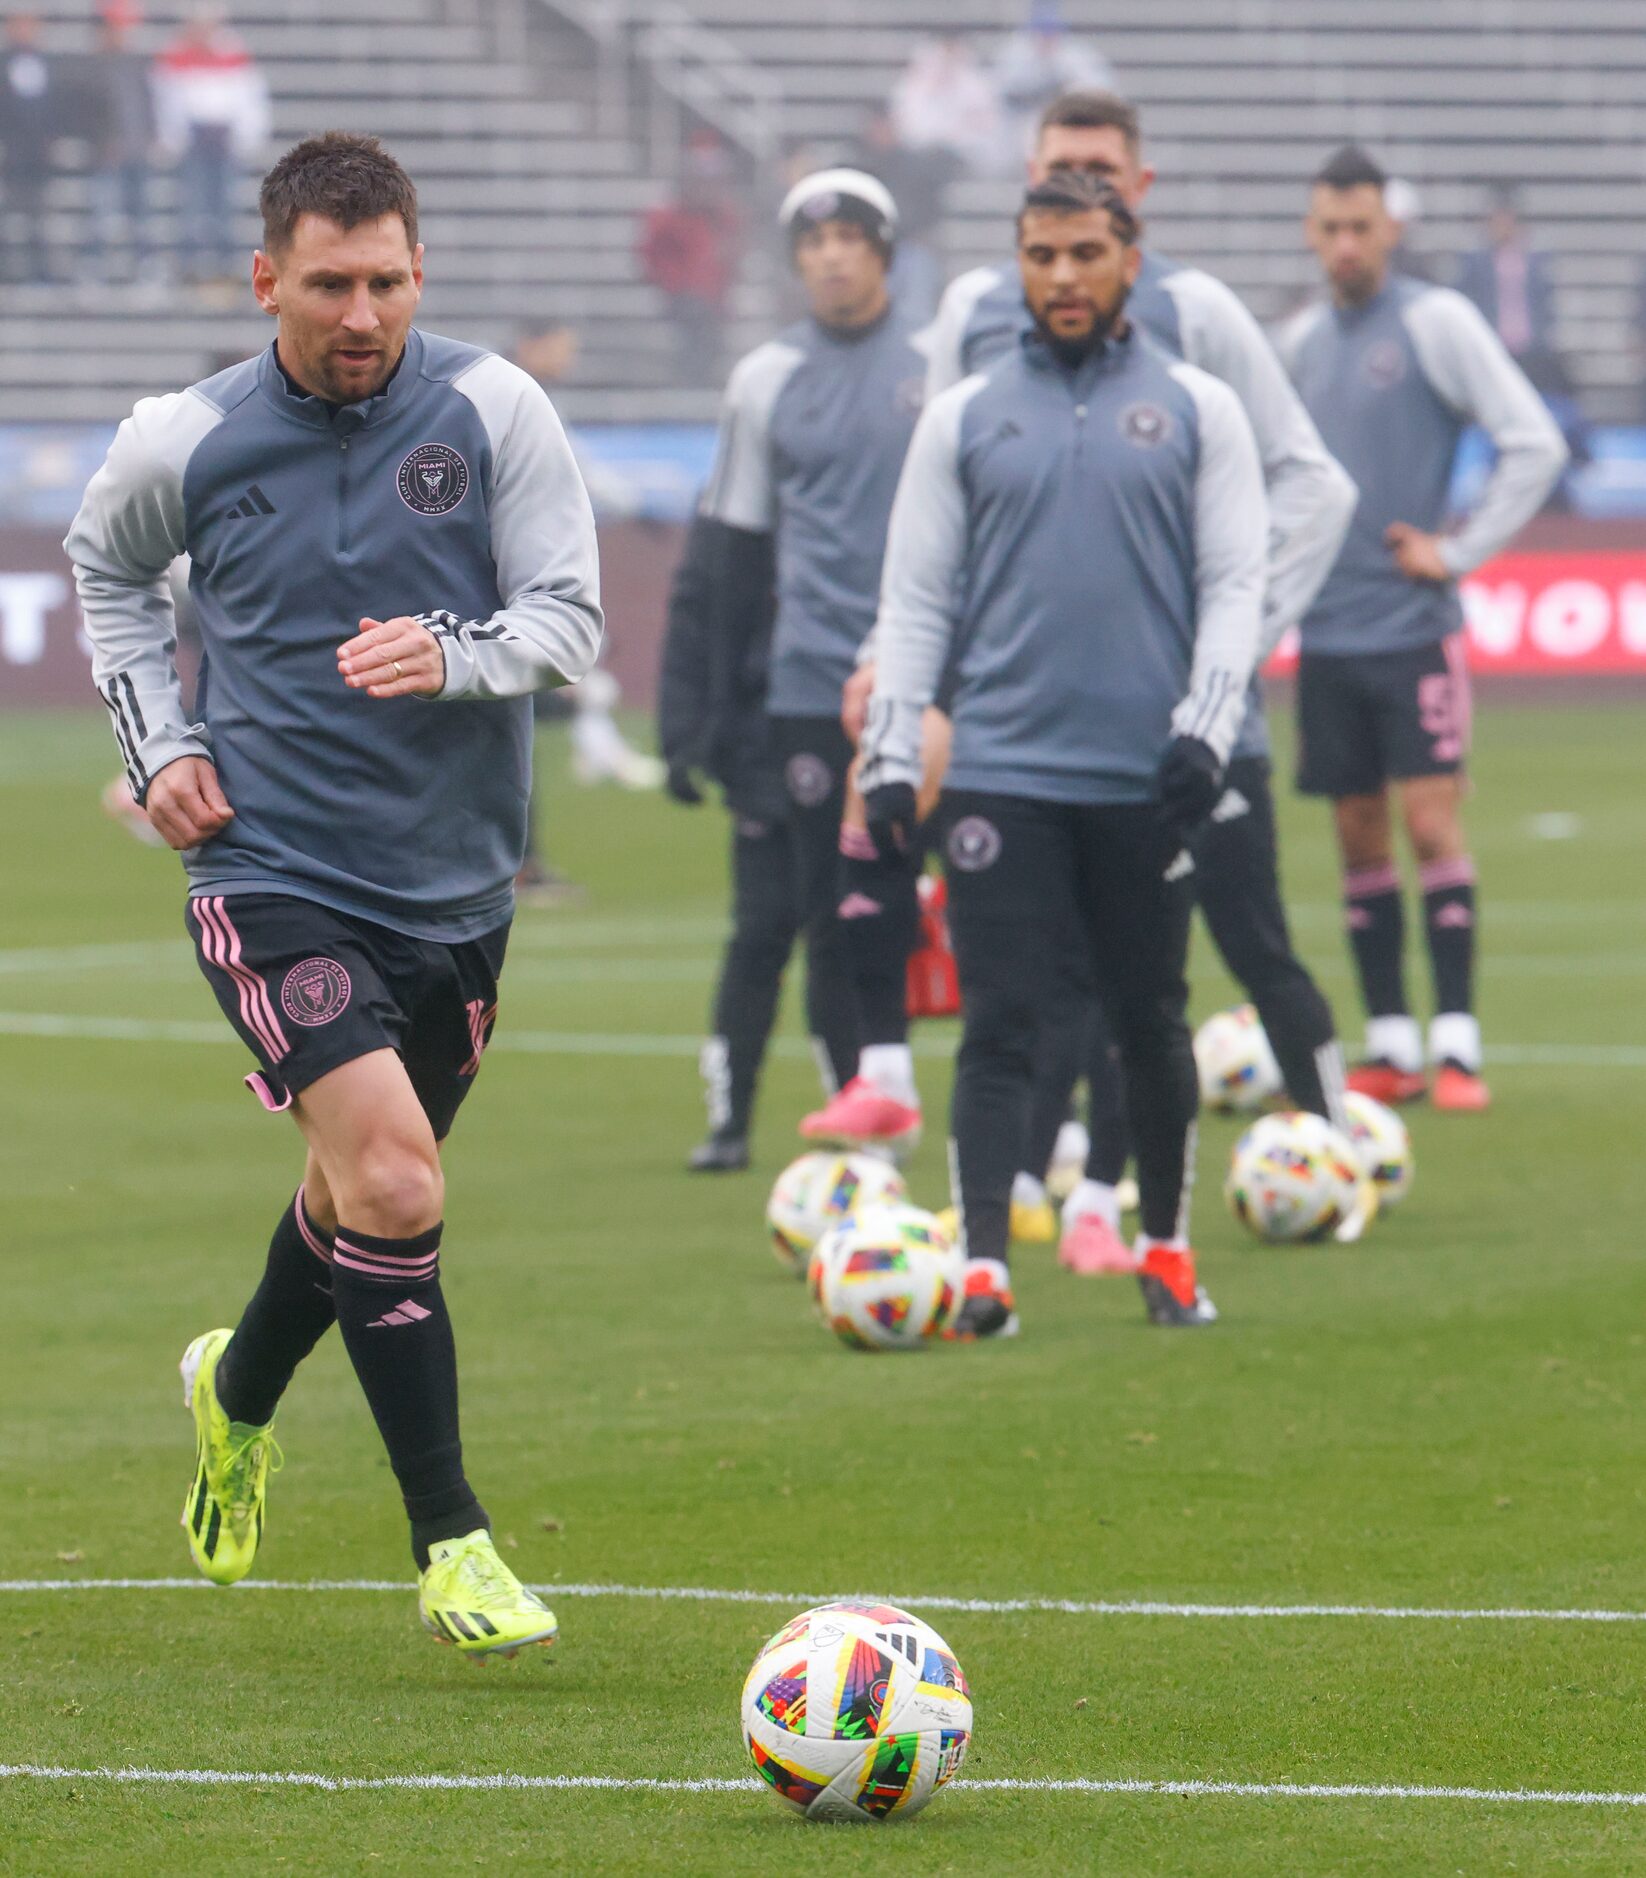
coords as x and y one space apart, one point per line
1370 718
308 989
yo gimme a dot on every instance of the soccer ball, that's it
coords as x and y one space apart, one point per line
856 1711
1384 1144
817 1192
1238 1071
888 1277
1294 1178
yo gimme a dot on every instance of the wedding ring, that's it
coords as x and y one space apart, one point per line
396 664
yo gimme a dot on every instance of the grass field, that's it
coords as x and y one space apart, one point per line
1446 1417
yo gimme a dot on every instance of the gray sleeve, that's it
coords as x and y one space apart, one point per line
1231 529
1311 496
547 631
128 531
742 489
1470 368
925 549
944 338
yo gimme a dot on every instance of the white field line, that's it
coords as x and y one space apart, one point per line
802 1600
930 1042
614 1783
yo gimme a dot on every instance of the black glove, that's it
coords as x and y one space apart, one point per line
1188 785
681 784
894 819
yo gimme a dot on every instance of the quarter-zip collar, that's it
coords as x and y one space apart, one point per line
1113 355
1349 317
305 408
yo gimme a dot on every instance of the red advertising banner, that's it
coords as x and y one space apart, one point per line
1550 613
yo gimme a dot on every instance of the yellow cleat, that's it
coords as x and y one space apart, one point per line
223 1515
1034 1225
469 1597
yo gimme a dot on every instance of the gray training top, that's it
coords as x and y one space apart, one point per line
1196 318
1092 540
813 432
451 496
1392 384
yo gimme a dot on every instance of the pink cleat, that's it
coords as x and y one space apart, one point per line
861 1115
1092 1247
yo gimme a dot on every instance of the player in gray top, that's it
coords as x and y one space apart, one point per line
1086 524
391 548
1393 370
1194 317
812 437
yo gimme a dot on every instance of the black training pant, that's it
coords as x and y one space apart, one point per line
1032 884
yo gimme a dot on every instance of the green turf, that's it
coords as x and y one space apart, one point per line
1447 1415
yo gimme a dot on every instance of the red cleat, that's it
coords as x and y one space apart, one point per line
860 1114
1386 1084
987 1309
1091 1247
1461 1089
1171 1293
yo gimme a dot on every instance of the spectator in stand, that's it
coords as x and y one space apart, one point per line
31 108
1038 63
213 110
688 250
946 100
917 180
120 117
1512 284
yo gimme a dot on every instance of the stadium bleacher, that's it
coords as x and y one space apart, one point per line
531 196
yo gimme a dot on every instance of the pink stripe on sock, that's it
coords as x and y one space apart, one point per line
259 991
375 1265
1434 875
856 844
310 1232
1360 883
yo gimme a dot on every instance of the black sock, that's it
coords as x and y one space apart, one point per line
1377 934
1449 915
880 911
290 1311
399 1339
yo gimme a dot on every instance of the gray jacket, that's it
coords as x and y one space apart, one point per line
451 496
1392 385
1091 542
1196 318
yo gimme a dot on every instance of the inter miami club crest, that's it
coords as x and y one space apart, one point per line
809 778
1384 364
315 992
433 479
974 844
1146 425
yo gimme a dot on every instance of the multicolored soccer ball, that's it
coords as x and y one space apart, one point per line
1238 1071
817 1192
888 1277
856 1711
1294 1178
1384 1144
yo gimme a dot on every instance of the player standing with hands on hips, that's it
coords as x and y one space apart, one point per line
1086 522
392 548
1392 371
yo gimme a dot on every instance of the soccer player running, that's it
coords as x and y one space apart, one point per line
1086 523
1196 318
812 438
1392 370
391 549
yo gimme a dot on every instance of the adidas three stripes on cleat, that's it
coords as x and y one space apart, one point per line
223 1514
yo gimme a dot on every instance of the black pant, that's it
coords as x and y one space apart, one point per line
1042 894
765 923
816 754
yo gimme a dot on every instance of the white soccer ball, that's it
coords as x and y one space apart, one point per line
817 1192
888 1277
1294 1178
1384 1144
856 1711
1237 1068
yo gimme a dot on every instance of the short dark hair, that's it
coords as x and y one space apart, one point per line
1072 193
345 178
1093 110
1350 168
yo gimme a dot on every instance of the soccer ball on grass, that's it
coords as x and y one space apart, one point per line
888 1277
817 1192
1237 1068
1294 1179
1384 1144
856 1711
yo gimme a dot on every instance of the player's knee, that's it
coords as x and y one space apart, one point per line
1435 832
396 1185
